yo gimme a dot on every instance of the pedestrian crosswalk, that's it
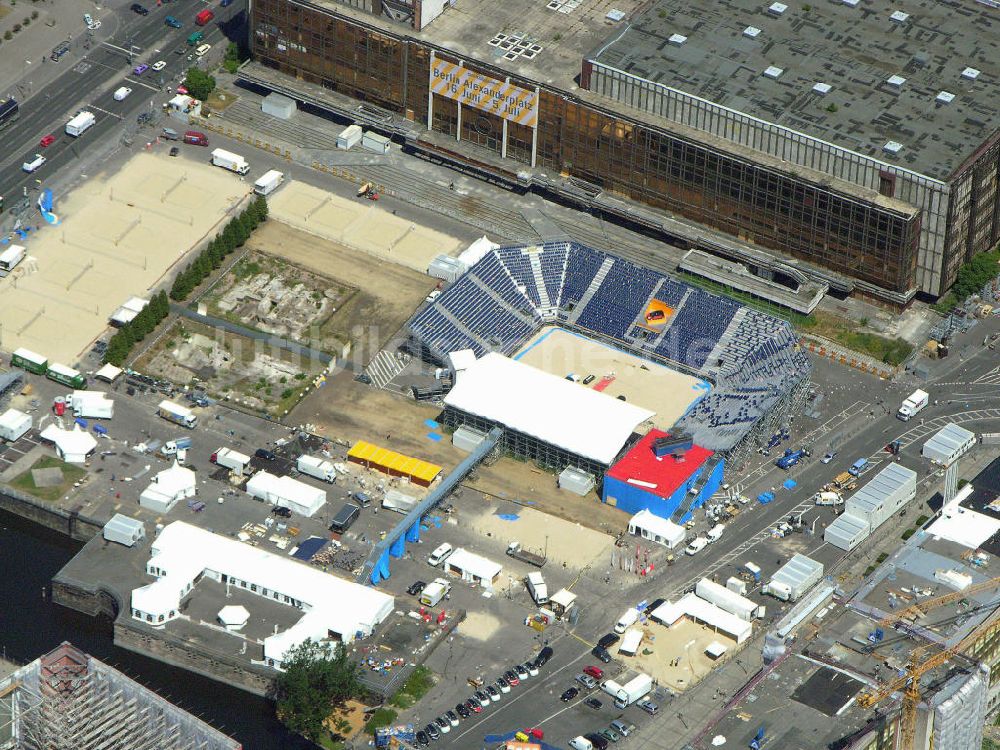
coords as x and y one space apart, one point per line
385 366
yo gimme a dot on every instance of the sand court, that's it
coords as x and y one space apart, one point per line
361 224
118 235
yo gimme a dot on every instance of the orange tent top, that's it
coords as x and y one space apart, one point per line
397 463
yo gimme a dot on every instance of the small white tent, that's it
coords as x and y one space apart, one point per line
654 528
168 488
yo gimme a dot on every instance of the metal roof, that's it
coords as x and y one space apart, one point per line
797 570
891 478
948 443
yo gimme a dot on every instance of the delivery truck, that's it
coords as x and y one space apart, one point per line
345 518
232 460
229 160
912 405
634 690
269 182
177 414
30 361
91 405
316 467
65 375
537 588
80 123
173 447
10 257
434 592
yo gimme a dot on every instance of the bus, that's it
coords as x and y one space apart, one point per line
28 360
66 375
9 111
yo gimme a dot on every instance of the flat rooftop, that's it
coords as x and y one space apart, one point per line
853 48
565 30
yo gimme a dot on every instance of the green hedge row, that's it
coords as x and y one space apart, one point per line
137 329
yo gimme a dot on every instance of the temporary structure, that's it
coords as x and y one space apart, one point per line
168 488
124 530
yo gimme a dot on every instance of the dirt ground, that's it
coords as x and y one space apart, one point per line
388 293
361 224
652 386
109 246
669 645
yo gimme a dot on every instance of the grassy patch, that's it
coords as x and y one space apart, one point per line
921 520
869 570
851 334
416 687
881 558
908 533
382 717
4 10
26 484
219 99
798 319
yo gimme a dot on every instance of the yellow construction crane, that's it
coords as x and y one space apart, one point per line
908 614
909 685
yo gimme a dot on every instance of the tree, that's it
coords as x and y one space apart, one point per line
317 676
261 204
199 83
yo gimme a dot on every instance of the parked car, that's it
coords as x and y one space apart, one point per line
474 705
596 672
828 457
463 710
47 140
648 706
531 667
599 742
443 724
601 653
140 69
483 698
587 681
415 588
503 685
608 640
623 728
696 546
511 676
569 695
594 703
202 50
282 511
136 8
174 24
543 656
265 454
494 694
452 718
159 65
522 672
656 604
432 731
610 734
422 739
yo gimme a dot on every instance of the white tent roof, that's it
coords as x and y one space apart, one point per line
14 419
476 251
462 359
74 445
694 606
554 410
301 497
563 598
234 614
176 481
183 551
474 564
109 372
662 527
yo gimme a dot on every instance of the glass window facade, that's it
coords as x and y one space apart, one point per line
759 205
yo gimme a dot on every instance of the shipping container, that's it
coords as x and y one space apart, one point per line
349 137
794 578
372 141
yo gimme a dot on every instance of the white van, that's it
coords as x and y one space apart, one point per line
31 166
439 555
122 93
696 546
581 743
627 620
715 533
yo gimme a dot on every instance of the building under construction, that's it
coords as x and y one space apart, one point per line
68 700
847 144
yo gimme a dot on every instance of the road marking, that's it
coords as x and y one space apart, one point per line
104 111
136 81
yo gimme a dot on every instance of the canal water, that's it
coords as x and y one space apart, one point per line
31 625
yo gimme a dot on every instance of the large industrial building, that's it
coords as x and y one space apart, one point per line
68 700
851 144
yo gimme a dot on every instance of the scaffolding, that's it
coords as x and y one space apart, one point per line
67 700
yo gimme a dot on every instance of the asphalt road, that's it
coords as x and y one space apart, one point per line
89 84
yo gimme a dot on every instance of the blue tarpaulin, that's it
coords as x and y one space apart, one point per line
788 484
431 423
309 547
765 497
81 422
434 436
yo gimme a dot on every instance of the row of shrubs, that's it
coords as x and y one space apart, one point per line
236 233
9 33
137 329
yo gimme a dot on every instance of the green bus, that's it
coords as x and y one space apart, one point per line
28 360
66 376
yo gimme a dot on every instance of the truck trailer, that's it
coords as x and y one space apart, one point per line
269 182
634 690
232 460
10 257
913 404
177 414
537 588
434 592
91 405
66 375
317 468
229 160
80 123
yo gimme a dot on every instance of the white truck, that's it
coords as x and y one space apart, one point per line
232 460
229 160
177 414
80 123
913 404
434 592
90 405
269 182
537 588
398 501
634 690
316 467
10 257
627 620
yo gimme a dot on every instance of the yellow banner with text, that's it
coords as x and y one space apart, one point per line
482 92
